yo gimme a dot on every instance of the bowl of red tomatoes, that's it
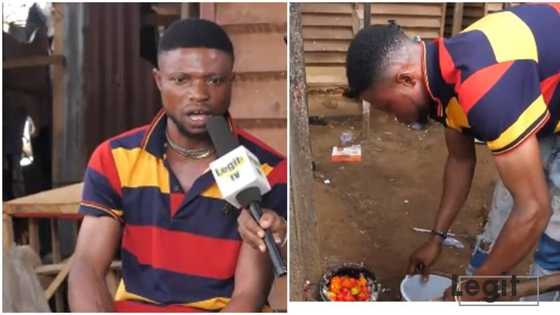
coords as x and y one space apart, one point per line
349 282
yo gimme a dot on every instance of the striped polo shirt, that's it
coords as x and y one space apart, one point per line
498 80
178 248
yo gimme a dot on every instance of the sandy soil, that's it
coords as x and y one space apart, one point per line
367 212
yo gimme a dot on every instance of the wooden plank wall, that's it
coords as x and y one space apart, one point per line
327 32
471 13
329 28
259 91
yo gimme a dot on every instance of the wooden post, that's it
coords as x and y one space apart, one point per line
56 258
366 109
305 262
69 159
367 14
457 18
185 10
8 231
34 234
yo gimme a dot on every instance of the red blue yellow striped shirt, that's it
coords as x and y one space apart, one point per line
498 80
178 248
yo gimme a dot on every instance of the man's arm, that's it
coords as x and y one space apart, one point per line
457 179
522 173
97 242
253 277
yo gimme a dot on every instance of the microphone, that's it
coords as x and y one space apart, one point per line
241 181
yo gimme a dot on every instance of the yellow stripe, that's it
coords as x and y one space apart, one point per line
113 212
213 304
123 295
524 122
456 118
214 192
509 36
557 129
139 168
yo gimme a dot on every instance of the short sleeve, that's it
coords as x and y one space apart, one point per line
101 195
277 198
504 104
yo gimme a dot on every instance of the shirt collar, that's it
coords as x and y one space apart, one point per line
154 139
437 88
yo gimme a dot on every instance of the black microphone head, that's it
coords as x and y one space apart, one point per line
222 137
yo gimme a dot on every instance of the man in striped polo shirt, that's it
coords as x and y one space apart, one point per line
150 190
497 81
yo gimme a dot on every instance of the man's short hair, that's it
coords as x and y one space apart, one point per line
195 33
368 55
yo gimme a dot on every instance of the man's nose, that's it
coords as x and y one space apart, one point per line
198 91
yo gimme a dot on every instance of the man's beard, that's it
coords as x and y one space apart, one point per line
184 132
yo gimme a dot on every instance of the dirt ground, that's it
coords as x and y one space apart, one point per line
367 211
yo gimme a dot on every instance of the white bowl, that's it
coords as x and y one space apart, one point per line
413 288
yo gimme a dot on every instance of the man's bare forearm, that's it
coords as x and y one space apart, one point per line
457 181
518 236
87 290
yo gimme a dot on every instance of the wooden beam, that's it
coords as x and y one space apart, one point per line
33 230
32 61
367 14
58 280
53 269
305 261
185 10
7 231
56 257
457 18
366 109
57 80
442 21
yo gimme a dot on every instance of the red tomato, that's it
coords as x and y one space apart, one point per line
363 296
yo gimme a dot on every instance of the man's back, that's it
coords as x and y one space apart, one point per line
498 79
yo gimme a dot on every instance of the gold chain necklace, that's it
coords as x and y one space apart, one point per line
195 154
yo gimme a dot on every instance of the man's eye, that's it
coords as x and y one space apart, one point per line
179 80
215 80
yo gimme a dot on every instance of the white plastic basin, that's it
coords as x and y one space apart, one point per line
413 288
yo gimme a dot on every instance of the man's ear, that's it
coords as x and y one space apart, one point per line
157 77
406 78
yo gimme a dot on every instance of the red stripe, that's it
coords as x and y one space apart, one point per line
182 252
449 73
556 6
278 174
102 161
139 307
548 86
479 83
175 200
257 141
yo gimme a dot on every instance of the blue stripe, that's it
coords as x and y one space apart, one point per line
130 141
277 199
502 105
544 22
262 154
168 287
203 216
547 254
470 51
97 189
